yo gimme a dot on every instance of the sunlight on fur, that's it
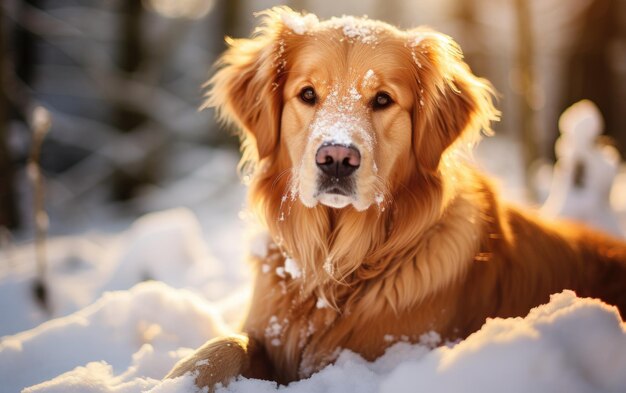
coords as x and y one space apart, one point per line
355 138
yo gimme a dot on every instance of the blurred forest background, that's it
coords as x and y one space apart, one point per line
121 81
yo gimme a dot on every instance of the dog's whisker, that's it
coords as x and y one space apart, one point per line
279 176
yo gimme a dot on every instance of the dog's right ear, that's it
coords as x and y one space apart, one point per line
247 88
450 101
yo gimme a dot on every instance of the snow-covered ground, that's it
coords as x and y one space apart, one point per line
110 330
127 340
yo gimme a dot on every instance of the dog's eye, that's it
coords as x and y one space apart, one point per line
308 96
381 101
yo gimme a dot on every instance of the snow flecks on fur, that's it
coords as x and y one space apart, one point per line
321 303
306 333
286 201
340 120
329 266
369 80
293 268
280 272
418 39
355 96
300 24
353 28
369 74
379 198
417 45
357 29
334 129
280 61
203 362
274 330
390 338
416 60
430 339
283 287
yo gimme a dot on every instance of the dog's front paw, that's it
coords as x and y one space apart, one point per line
217 361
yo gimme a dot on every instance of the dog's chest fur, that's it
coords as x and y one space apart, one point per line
301 333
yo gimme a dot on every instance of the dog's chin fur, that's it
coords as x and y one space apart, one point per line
335 200
428 244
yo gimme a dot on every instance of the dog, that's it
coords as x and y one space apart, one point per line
355 135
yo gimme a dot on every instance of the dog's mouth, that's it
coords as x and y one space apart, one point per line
335 192
335 185
336 201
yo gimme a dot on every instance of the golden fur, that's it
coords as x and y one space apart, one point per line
424 244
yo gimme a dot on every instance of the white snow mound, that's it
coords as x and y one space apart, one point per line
125 337
128 340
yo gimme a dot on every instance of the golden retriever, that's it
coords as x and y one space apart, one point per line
354 132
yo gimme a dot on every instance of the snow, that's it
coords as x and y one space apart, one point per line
131 336
360 29
585 171
127 340
293 268
321 303
329 266
353 28
274 330
418 37
570 344
168 246
340 120
369 79
300 24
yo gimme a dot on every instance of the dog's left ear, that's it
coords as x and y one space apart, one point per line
247 88
450 101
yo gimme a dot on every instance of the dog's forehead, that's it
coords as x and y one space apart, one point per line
329 55
350 27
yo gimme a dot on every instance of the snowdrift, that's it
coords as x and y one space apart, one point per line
127 340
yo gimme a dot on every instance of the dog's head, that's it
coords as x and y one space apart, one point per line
350 107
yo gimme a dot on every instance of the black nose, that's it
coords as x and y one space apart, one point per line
338 160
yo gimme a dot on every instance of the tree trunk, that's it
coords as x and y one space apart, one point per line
8 208
130 56
594 65
525 68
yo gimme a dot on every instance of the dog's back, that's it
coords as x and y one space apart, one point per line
523 260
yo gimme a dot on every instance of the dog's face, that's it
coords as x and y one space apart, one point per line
346 119
349 107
